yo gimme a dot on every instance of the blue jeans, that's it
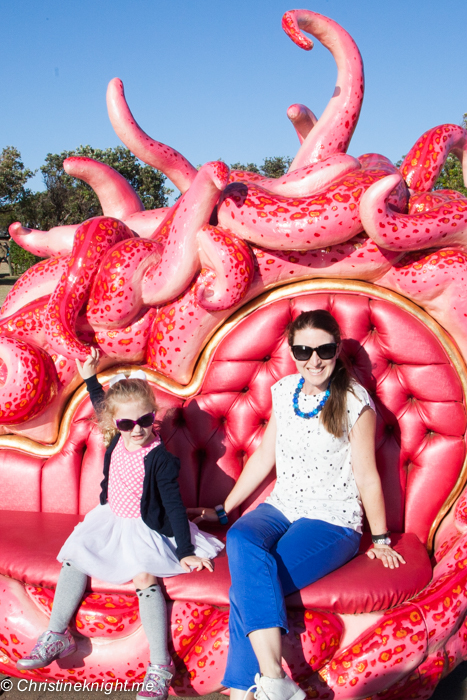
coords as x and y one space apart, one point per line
269 558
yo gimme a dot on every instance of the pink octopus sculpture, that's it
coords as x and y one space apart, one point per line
169 289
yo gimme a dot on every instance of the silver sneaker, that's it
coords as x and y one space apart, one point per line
156 682
49 647
276 689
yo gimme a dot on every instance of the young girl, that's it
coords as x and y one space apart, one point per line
139 531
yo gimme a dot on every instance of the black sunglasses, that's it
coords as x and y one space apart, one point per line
324 352
126 424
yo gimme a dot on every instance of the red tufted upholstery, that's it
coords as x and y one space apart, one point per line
420 435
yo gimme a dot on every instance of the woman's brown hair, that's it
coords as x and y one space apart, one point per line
120 393
334 414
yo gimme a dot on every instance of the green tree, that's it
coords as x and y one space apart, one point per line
13 177
20 259
271 167
275 167
249 167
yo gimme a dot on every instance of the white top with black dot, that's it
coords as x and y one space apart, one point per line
314 471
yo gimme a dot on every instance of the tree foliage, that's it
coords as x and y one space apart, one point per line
20 259
13 178
271 167
248 167
275 167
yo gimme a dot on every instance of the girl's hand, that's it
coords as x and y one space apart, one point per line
197 515
390 558
89 367
194 563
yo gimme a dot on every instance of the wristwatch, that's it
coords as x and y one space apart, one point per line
381 539
221 514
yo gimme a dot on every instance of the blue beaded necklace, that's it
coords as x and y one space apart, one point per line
315 411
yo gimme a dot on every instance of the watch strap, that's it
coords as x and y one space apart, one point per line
221 514
382 539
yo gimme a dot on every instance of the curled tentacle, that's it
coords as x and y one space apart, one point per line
334 129
436 281
116 196
178 331
425 160
303 120
92 240
180 258
40 280
301 223
382 166
444 225
227 269
66 372
426 201
116 298
127 343
164 158
303 181
27 323
375 160
359 256
30 383
247 176
145 223
45 244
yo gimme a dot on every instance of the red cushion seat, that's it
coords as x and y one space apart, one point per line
31 542
363 585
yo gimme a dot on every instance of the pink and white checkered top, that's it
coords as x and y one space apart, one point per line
126 476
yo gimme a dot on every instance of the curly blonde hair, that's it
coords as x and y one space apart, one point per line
122 392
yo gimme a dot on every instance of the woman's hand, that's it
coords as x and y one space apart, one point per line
89 367
194 563
197 515
390 558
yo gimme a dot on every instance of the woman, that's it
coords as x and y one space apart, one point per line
321 438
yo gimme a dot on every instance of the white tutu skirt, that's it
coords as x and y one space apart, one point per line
116 549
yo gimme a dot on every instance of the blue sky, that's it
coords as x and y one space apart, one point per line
214 79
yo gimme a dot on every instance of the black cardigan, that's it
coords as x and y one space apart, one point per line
162 507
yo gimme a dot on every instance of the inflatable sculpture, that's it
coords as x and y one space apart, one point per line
199 294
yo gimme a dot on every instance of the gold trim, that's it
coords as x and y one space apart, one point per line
193 387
